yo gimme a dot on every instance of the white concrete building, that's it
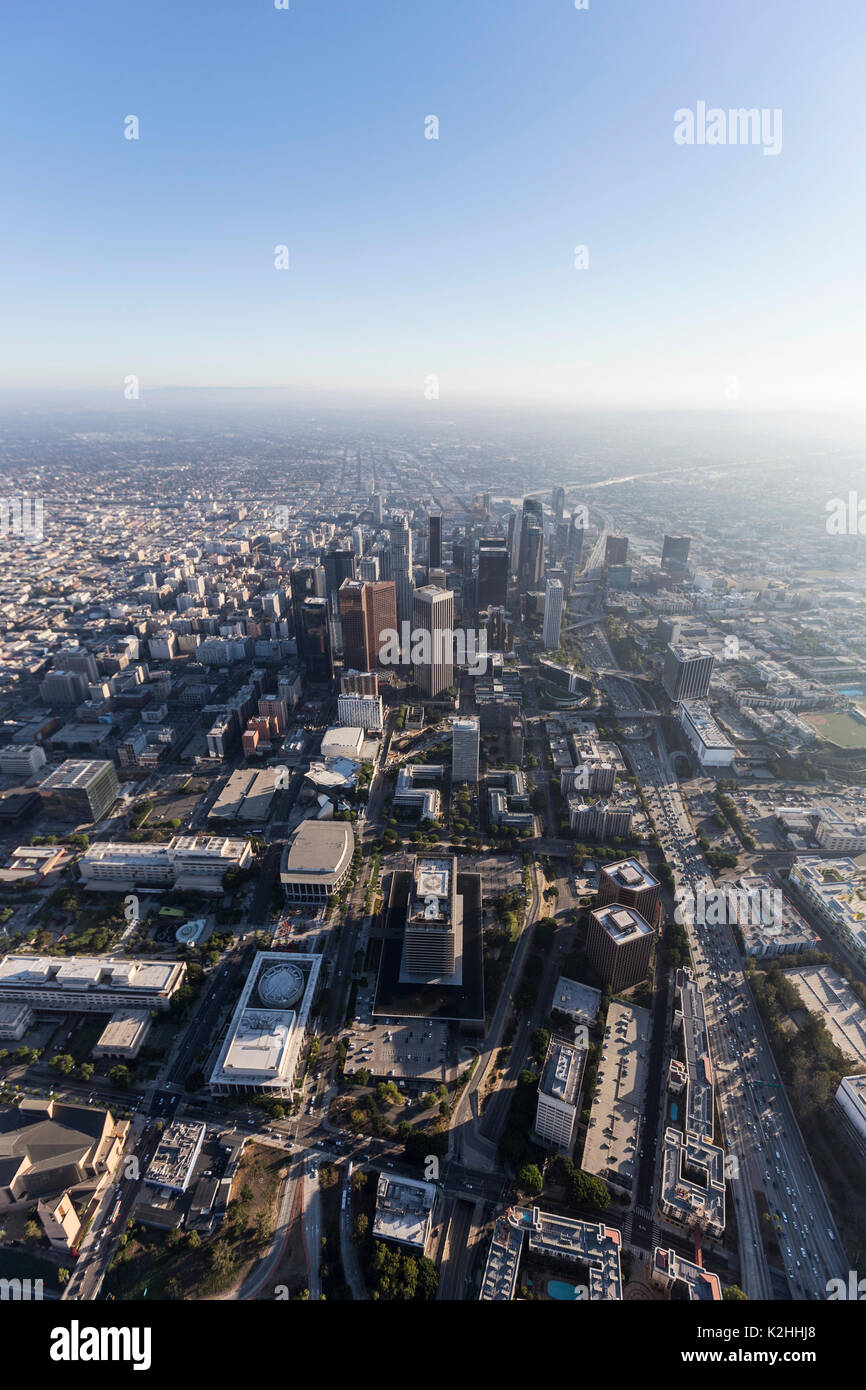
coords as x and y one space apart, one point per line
465 747
553 601
364 712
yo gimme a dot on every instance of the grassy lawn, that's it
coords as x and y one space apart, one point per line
843 730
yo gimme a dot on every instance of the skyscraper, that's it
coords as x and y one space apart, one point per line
492 572
339 565
368 568
615 550
465 743
557 501
553 614
353 604
530 562
316 629
381 617
376 504
306 581
675 553
433 639
687 672
401 567
435 544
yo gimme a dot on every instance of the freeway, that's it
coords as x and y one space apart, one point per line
760 1130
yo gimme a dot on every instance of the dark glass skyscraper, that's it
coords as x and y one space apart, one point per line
492 572
435 544
316 629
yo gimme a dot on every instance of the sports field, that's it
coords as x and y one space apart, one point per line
841 729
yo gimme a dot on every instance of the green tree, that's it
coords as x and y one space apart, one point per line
529 1179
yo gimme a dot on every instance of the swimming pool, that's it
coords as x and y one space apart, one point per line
565 1293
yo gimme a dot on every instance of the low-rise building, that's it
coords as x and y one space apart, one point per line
404 1212
175 1157
835 890
123 1035
89 984
185 861
317 861
682 1278
261 1050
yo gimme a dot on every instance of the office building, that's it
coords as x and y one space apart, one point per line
433 940
340 565
557 502
404 1212
175 1156
21 759
627 882
492 572
89 984
353 601
553 601
495 630
619 945
80 790
381 609
687 672
434 547
359 683
306 581
123 1036
402 568
368 568
262 1048
376 507
615 550
675 553
712 747
558 1103
433 640
315 628
530 561
465 746
413 792
361 711
185 861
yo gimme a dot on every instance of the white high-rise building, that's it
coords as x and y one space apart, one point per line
465 743
433 639
360 712
553 614
401 568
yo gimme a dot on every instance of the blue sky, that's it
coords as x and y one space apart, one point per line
717 276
